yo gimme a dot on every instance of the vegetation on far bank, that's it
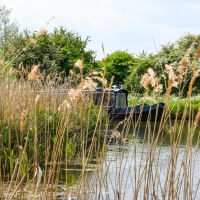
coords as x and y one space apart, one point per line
177 105
57 51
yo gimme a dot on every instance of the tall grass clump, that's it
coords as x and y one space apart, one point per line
47 124
155 160
56 144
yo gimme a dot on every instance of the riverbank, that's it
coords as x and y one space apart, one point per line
176 106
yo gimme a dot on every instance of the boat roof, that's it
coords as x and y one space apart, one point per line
120 91
114 90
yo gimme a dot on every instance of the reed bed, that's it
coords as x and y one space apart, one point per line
154 160
46 129
50 129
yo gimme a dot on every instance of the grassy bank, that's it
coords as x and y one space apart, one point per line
177 105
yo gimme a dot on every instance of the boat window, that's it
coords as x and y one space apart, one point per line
108 99
120 100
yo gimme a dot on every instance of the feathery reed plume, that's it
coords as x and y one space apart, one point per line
150 79
196 73
99 76
196 58
44 30
79 65
183 64
158 88
20 66
21 149
78 96
145 81
48 22
87 84
71 72
153 77
182 69
101 79
33 74
75 95
172 79
31 41
104 60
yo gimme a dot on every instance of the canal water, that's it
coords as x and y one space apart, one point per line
151 161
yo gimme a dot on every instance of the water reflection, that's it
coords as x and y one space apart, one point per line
164 131
150 161
146 161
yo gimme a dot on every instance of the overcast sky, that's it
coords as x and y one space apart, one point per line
132 25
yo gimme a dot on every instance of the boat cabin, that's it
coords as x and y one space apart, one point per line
111 98
115 101
120 98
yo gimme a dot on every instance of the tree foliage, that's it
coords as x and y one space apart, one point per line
143 62
118 64
8 34
173 53
57 51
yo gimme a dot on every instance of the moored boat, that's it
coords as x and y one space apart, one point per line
143 112
115 101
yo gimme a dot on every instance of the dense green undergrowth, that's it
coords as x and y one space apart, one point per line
176 105
45 126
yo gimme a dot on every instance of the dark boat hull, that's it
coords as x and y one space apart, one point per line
139 112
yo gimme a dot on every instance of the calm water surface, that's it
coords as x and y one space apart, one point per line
135 165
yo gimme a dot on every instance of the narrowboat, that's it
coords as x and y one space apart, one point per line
115 101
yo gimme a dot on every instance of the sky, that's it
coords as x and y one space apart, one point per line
126 25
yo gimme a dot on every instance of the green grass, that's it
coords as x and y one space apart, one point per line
177 105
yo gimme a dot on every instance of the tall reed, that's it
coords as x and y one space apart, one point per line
49 131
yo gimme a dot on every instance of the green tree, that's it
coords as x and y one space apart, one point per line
56 51
118 64
143 62
172 53
8 33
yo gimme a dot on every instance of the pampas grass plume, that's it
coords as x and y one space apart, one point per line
33 74
31 41
79 64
